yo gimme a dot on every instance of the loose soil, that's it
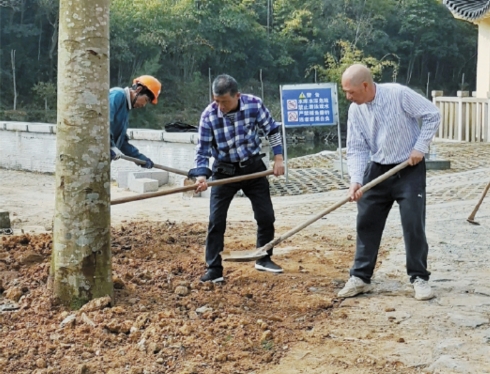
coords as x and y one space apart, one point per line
163 320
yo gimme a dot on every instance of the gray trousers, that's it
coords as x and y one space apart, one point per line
407 188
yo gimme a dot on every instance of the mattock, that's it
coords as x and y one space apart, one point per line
471 217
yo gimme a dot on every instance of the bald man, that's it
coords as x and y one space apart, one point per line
383 131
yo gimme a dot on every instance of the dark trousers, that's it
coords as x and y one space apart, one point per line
257 190
407 188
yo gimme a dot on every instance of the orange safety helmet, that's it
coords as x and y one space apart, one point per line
151 83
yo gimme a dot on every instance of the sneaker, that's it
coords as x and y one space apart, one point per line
353 287
266 264
422 289
213 275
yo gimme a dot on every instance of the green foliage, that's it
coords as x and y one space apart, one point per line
181 42
45 92
346 55
32 115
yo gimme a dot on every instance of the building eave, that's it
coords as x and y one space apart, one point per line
469 10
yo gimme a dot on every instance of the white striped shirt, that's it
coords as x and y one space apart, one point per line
387 128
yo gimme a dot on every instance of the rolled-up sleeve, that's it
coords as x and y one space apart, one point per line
419 107
203 147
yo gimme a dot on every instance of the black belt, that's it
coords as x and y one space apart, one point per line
249 161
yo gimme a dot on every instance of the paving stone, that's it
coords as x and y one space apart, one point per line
316 173
143 185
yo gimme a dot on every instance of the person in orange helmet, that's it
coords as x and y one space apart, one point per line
145 89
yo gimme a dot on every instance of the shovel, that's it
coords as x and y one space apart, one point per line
191 187
157 166
245 256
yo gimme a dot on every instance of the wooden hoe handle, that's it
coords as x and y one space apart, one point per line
331 208
191 187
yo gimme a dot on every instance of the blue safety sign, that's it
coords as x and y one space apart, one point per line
309 105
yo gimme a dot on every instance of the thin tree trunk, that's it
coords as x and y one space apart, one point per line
81 259
12 60
39 40
359 22
54 39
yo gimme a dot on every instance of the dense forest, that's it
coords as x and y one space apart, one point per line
263 44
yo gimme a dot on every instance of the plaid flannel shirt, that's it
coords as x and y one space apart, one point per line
234 141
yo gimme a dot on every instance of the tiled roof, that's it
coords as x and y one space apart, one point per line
471 10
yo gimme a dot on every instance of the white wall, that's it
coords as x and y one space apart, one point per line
483 64
32 147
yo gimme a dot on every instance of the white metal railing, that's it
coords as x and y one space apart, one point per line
464 118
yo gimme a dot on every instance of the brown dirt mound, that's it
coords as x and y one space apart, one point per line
164 320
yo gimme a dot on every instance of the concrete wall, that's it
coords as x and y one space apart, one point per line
32 147
483 64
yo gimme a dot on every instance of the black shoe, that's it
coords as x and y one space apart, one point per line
213 275
266 264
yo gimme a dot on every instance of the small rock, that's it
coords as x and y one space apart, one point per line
117 327
87 320
68 321
13 293
141 321
141 345
96 304
154 347
185 330
266 335
204 309
160 360
41 363
181 290
9 306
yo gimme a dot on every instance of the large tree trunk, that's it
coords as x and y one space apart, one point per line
81 260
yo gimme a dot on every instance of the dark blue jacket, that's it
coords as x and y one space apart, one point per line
119 117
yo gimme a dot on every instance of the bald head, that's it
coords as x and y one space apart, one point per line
358 85
358 74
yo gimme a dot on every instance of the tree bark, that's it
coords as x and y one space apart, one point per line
81 259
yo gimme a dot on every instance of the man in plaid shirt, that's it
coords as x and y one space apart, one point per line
229 131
